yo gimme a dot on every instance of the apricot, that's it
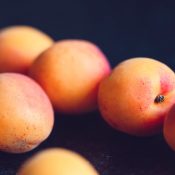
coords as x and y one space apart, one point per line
169 128
70 72
19 46
57 161
137 95
26 115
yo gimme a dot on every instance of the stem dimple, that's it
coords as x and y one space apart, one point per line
159 99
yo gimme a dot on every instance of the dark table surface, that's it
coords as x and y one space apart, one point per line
111 152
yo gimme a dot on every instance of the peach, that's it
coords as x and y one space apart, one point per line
137 95
19 46
169 128
26 115
70 72
57 161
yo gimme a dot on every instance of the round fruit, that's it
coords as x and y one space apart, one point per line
19 46
137 95
169 128
26 115
57 161
70 72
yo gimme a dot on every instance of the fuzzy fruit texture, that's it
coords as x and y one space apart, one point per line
57 161
26 115
19 46
70 72
137 95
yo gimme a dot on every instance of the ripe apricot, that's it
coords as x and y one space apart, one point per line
70 72
19 46
137 95
169 128
26 115
57 161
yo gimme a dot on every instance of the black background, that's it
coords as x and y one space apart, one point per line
122 29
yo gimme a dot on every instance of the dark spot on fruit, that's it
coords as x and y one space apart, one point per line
159 99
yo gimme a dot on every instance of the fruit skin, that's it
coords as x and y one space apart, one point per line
70 72
19 46
169 128
127 97
26 115
57 161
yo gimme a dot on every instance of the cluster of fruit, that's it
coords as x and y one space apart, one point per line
39 76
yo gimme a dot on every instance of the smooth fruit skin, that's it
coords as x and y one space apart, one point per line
127 98
70 72
26 115
57 161
169 128
19 46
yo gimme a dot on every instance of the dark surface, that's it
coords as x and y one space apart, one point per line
122 29
112 153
